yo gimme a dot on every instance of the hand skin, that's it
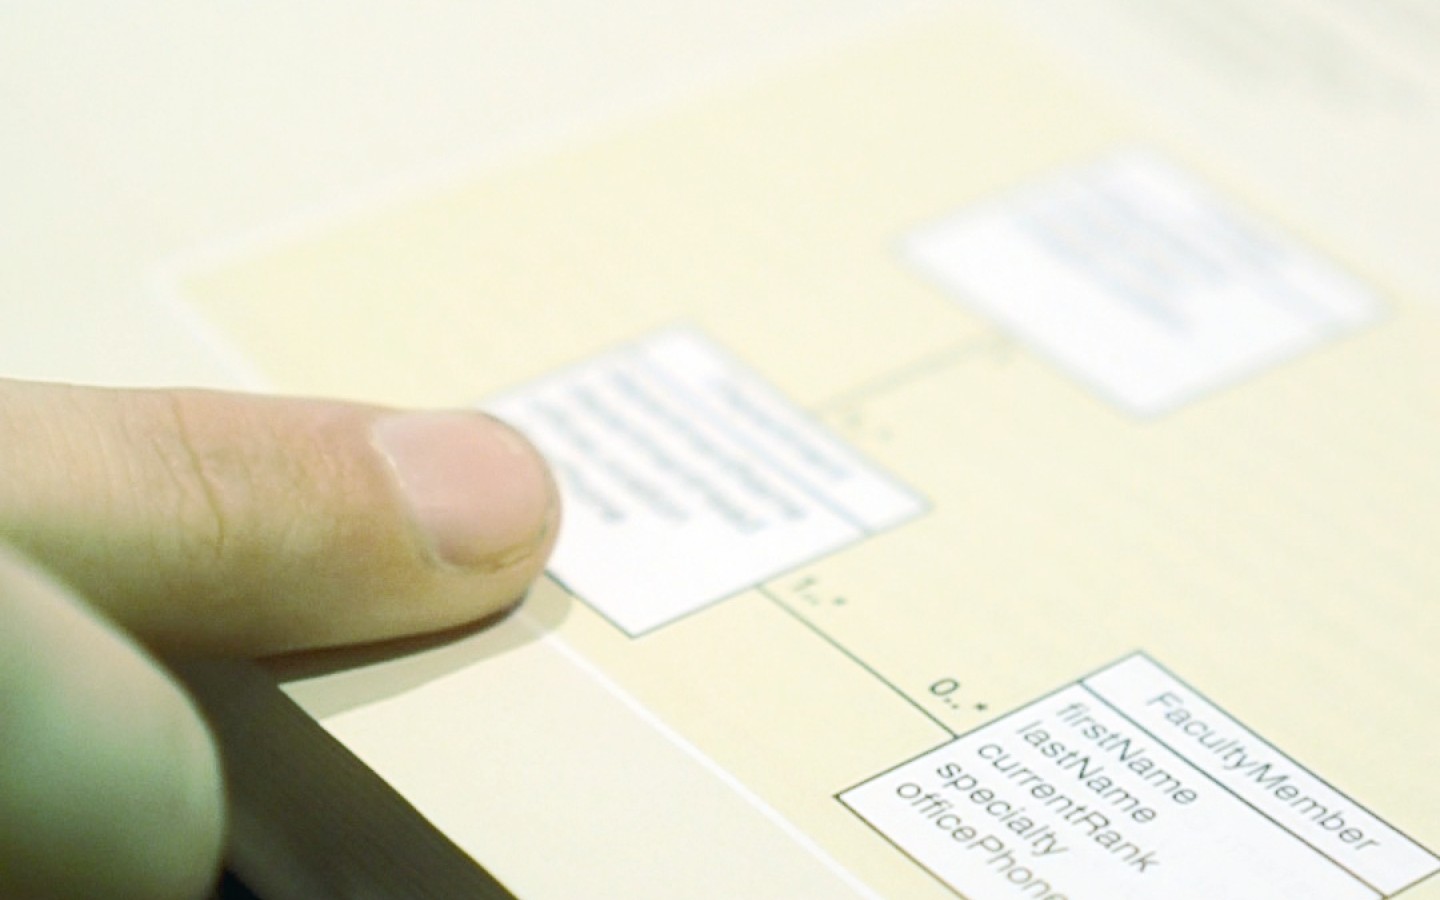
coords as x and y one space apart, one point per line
196 522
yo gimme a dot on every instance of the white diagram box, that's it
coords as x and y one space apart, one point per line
1140 281
1097 792
687 478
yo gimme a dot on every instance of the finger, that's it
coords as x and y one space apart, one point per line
225 523
109 783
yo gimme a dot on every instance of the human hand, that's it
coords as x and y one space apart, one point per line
206 523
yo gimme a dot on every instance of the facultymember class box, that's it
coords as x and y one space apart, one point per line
1130 784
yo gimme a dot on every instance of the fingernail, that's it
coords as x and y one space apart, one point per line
477 491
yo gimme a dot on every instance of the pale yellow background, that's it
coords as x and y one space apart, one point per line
1273 543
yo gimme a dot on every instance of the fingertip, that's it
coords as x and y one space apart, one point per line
224 524
482 511
477 493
